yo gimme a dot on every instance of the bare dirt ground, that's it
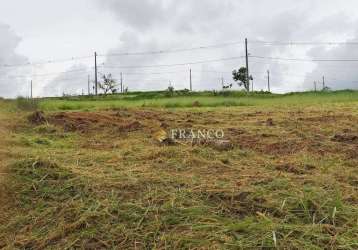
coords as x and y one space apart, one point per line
268 133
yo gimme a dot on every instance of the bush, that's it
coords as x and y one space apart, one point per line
27 104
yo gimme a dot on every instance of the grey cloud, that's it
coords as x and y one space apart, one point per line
184 15
339 75
176 24
137 14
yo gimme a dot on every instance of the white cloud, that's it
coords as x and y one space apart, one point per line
10 82
74 81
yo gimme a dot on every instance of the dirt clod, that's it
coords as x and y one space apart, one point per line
291 168
164 125
347 138
37 118
269 122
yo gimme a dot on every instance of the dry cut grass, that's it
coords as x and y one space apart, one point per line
97 180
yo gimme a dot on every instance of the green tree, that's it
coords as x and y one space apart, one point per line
108 85
240 77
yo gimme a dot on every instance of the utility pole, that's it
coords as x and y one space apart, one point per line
191 82
247 65
95 73
88 85
31 89
315 86
323 83
268 81
121 82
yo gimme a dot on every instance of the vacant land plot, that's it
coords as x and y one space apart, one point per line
99 179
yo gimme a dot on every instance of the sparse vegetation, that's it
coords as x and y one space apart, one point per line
27 104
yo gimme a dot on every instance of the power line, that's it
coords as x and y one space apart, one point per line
304 59
332 66
152 73
176 64
61 79
169 51
44 62
225 45
288 43
173 72
48 74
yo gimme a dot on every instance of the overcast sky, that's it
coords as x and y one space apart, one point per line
39 38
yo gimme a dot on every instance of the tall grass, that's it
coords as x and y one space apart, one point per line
27 104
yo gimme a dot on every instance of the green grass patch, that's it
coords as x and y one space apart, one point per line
27 104
202 99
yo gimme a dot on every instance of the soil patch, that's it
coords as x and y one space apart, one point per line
260 144
291 168
346 138
327 118
37 118
85 122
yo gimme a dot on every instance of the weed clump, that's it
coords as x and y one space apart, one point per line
43 179
196 104
27 104
37 169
